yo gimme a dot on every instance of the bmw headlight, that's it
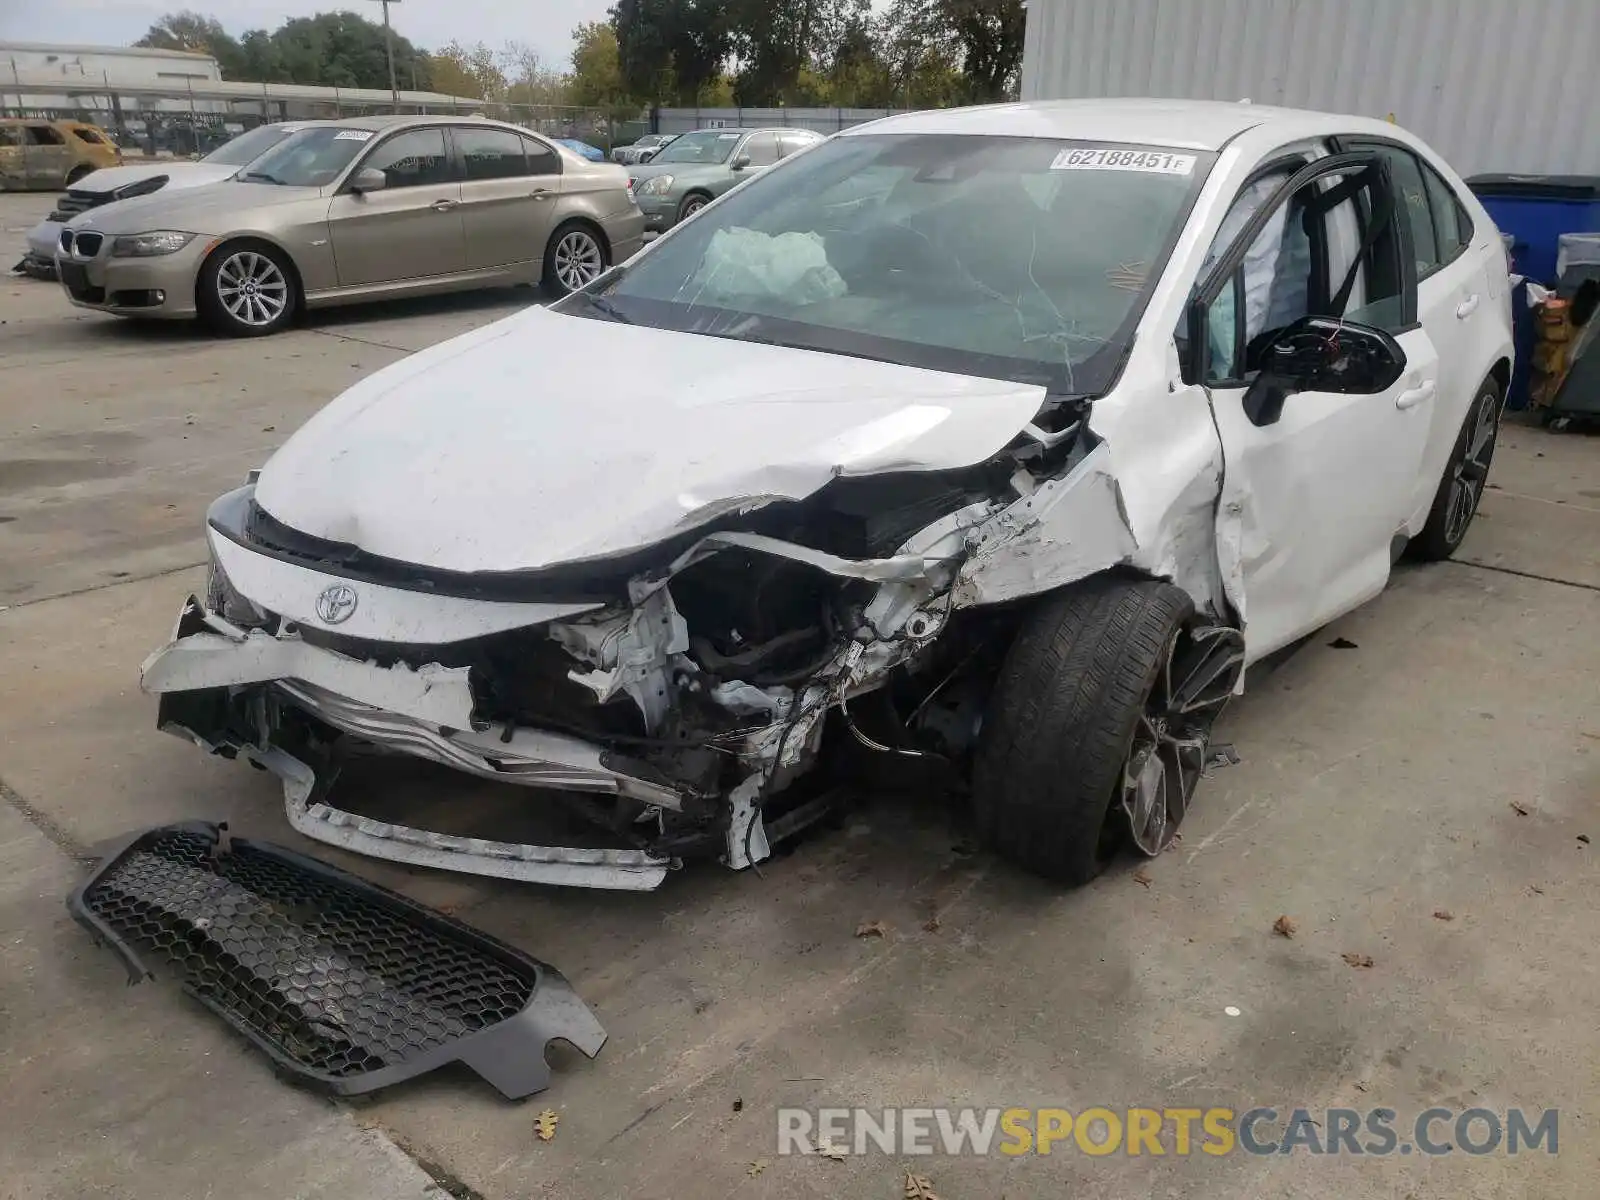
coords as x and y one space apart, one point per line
150 245
656 185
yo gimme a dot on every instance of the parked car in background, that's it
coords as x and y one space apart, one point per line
98 188
642 150
577 146
697 167
41 156
1002 438
361 209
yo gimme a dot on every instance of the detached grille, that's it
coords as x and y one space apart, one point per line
346 985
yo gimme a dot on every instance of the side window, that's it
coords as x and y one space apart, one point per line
10 135
44 135
1451 223
87 135
490 153
793 143
1405 172
542 160
416 158
1367 280
762 149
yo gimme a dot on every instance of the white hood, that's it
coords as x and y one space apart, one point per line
179 173
530 442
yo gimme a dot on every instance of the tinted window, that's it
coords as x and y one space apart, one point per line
416 158
542 160
43 135
762 150
88 135
1452 225
491 153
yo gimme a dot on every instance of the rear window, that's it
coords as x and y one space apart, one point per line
91 136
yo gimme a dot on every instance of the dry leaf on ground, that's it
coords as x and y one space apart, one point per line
832 1150
1143 877
1284 927
919 1187
757 1167
1357 960
931 925
1520 808
877 929
1443 914
545 1124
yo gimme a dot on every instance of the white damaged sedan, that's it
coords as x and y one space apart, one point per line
1004 437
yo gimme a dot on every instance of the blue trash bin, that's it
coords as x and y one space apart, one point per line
1533 211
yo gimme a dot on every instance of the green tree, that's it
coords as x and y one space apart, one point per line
671 49
196 34
459 70
596 67
341 49
984 37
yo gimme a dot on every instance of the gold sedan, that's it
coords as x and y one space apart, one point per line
361 209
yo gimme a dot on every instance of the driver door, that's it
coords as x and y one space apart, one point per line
1316 492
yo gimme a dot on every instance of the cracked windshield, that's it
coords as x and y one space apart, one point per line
1015 258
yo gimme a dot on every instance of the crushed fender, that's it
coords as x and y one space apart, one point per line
346 986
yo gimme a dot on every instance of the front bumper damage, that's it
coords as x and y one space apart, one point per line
671 738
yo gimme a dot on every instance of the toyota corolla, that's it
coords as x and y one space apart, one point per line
1005 438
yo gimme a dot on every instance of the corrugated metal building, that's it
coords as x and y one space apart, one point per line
1493 85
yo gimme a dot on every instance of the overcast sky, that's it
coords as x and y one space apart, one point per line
546 25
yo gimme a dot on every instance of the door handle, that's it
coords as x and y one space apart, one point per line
1467 307
442 205
1415 396
538 194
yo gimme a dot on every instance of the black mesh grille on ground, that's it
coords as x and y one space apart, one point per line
336 978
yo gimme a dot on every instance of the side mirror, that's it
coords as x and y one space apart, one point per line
368 179
1320 354
741 162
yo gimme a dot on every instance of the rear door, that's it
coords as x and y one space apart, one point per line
510 185
49 157
410 230
1315 494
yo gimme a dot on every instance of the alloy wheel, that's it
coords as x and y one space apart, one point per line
252 288
579 259
1471 470
1170 741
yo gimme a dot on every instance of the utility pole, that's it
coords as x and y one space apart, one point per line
388 45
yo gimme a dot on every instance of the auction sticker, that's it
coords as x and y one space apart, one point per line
1152 162
353 135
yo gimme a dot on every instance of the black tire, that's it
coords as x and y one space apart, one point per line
1061 720
274 270
1447 522
692 203
559 278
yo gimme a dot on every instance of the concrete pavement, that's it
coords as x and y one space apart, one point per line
1449 762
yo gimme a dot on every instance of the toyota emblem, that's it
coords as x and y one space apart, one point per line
336 603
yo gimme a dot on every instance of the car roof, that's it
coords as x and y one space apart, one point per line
1186 124
379 123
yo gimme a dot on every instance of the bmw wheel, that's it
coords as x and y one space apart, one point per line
247 290
575 257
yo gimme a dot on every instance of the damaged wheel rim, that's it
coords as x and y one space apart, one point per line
578 259
1167 753
252 288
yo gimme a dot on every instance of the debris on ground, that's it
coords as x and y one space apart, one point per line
738 1104
545 1124
1584 838
833 1150
1535 889
1284 927
1360 1087
1520 808
871 929
919 1187
1443 914
1142 876
931 925
757 1167
1222 755
1357 960
1340 643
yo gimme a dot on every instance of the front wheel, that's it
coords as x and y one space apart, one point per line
1098 727
246 291
691 205
575 257
1465 476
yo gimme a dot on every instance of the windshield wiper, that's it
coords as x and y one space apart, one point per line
264 177
601 304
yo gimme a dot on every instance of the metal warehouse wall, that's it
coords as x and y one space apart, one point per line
1493 85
